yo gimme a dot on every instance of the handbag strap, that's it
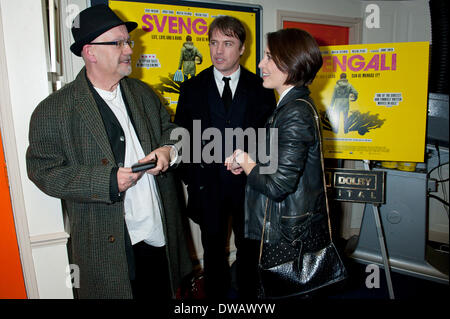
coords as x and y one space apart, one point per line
264 228
319 133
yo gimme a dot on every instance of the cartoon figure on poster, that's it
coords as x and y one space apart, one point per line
343 94
189 57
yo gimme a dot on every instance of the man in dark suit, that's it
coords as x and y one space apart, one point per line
224 96
127 237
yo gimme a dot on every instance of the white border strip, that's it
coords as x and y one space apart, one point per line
16 191
51 239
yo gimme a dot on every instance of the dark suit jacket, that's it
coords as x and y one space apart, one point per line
198 95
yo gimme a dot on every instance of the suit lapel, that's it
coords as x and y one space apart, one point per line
214 103
241 97
87 108
212 98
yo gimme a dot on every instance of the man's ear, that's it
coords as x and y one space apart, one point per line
88 53
242 49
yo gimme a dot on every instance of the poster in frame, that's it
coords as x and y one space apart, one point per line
373 101
165 27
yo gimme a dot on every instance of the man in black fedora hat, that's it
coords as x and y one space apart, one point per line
127 238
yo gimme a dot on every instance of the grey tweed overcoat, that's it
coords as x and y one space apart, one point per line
69 157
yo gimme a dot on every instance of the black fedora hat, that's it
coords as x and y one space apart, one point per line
92 22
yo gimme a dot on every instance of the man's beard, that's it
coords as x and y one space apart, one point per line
126 72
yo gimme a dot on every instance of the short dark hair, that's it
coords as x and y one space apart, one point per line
229 26
296 53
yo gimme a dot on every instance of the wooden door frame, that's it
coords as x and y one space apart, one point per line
13 169
354 24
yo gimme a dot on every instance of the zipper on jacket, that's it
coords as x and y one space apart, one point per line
297 216
268 226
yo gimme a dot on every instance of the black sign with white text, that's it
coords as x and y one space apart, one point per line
356 185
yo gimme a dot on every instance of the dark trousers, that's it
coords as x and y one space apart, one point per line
214 233
152 273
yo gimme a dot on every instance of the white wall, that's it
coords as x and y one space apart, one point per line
341 8
26 61
26 73
400 21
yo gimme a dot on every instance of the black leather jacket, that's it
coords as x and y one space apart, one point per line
294 193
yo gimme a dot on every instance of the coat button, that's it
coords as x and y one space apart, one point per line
111 239
105 161
122 138
120 164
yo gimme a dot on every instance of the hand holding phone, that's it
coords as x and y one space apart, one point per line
138 167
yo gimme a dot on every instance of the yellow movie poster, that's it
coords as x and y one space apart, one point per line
373 101
171 42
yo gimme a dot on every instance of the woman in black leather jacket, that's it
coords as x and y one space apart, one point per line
292 197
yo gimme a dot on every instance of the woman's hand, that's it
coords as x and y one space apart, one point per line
240 161
232 165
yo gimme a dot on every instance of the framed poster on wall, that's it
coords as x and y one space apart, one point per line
373 101
167 28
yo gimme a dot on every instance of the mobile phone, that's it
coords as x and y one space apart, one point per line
144 166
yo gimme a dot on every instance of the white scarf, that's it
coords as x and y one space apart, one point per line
142 202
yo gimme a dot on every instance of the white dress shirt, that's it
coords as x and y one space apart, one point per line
142 202
233 82
284 94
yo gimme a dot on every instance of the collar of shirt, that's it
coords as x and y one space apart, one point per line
108 95
284 94
233 82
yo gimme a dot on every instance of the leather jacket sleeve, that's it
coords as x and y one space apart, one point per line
294 123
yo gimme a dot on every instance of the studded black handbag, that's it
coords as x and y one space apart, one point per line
294 267
289 268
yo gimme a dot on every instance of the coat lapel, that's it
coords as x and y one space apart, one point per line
88 110
141 125
212 98
294 93
240 98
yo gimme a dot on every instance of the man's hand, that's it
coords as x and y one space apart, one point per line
126 178
163 163
232 165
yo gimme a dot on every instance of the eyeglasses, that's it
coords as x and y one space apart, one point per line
119 44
